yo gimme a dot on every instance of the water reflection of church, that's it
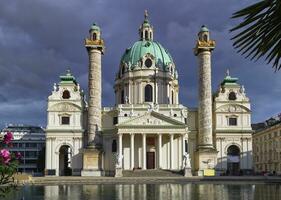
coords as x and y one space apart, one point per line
147 126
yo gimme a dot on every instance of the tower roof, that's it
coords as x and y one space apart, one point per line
204 29
95 27
67 78
228 80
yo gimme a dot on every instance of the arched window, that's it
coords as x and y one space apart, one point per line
233 150
122 97
66 94
148 93
232 96
205 38
146 35
94 36
114 146
172 97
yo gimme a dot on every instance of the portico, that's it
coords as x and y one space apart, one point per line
148 150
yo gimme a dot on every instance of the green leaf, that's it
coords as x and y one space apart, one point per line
259 33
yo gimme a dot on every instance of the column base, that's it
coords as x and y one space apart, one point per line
187 172
92 159
118 172
205 158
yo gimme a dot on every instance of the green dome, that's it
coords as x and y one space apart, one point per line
204 29
95 27
140 48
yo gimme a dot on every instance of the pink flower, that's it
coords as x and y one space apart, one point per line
8 137
5 154
18 155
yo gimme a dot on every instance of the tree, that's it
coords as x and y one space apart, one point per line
260 31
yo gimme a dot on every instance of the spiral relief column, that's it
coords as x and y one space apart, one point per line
92 155
206 155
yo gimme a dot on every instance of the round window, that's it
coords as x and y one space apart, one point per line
148 62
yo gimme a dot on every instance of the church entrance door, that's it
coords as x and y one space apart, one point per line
150 160
65 161
233 160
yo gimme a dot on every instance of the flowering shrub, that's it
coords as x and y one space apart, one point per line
8 161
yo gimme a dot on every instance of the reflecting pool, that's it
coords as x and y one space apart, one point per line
149 191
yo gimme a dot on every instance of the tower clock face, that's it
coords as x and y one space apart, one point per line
148 62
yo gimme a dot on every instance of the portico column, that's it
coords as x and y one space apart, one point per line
132 150
120 148
159 150
183 149
183 144
171 150
143 151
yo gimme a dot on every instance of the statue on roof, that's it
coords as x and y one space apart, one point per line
227 72
145 14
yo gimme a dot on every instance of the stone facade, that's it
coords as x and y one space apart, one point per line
232 127
65 128
148 128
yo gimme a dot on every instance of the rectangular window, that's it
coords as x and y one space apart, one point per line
21 145
65 120
115 120
232 121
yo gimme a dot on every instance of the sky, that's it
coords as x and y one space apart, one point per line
40 40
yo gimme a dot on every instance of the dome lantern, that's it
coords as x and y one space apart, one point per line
95 32
146 30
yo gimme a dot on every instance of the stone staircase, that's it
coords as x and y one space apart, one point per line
152 173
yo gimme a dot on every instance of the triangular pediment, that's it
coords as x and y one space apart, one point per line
152 119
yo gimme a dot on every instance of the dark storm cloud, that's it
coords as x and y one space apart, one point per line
40 39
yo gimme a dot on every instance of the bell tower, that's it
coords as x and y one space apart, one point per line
92 155
206 157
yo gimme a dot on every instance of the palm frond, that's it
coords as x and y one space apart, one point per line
259 34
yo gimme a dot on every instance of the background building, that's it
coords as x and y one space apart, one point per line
30 142
267 145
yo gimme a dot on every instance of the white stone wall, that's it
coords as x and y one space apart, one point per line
55 141
134 82
239 135
129 113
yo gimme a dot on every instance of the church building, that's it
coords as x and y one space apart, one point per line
147 128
